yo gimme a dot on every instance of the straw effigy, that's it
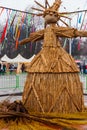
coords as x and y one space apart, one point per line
53 93
53 83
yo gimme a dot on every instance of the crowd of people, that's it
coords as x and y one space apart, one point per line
2 68
82 67
10 68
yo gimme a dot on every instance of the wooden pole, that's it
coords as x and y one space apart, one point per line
45 8
70 46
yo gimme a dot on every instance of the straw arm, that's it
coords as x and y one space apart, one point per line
33 37
81 33
24 41
69 32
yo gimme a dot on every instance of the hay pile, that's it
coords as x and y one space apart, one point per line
15 117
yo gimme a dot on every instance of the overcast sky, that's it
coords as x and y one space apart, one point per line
70 5
67 5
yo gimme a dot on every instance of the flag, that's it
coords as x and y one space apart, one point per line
18 22
5 27
79 44
1 11
11 18
29 18
85 26
80 18
19 30
11 23
17 39
4 32
77 21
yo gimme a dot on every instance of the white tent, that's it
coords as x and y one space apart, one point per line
5 58
18 59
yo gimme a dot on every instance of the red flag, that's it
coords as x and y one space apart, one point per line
4 32
79 43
